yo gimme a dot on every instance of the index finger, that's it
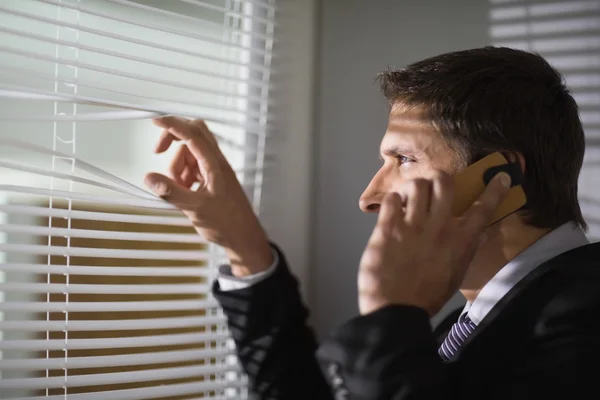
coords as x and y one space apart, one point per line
391 210
201 148
480 213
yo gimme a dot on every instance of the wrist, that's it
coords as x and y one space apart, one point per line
250 260
372 305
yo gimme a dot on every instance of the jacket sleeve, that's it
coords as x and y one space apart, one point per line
392 354
275 346
388 354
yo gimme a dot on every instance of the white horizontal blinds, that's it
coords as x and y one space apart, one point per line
105 289
567 34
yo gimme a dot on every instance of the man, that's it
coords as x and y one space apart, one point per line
531 323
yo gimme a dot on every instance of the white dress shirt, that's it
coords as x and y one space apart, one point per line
229 282
564 238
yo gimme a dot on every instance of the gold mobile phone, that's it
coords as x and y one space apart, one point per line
470 183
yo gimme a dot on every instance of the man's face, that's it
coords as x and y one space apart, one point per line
411 148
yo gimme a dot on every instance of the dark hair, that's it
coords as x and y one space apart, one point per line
500 99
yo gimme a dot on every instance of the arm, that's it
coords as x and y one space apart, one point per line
227 281
267 319
387 354
275 346
392 354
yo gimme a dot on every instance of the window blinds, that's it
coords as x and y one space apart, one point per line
566 34
105 289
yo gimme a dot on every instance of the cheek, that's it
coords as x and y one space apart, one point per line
405 173
392 177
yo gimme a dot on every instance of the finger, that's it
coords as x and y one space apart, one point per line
209 135
178 163
442 192
164 141
417 193
171 191
192 169
195 138
181 128
390 212
188 177
479 214
190 160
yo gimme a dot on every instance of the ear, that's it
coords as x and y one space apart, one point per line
515 157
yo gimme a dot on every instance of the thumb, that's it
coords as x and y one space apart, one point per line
169 190
480 213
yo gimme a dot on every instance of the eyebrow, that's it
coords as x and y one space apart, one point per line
394 151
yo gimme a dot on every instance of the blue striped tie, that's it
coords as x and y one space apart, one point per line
456 337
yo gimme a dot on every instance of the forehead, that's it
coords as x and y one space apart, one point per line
408 128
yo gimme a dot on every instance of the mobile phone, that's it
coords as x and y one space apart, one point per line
471 181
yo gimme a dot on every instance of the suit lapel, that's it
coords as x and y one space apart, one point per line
511 316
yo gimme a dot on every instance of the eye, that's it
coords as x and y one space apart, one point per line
404 160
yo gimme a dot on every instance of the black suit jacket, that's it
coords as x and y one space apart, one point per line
541 341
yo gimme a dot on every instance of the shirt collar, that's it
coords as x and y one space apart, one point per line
562 239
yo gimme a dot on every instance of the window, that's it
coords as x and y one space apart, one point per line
106 289
566 34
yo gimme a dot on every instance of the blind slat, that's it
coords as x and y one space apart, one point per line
112 53
567 25
253 18
148 111
156 27
146 393
113 325
106 306
184 255
543 10
583 80
158 357
121 185
74 178
162 288
152 45
213 7
123 115
575 62
167 271
118 343
23 72
82 165
98 199
95 216
260 3
158 204
556 45
97 234
117 377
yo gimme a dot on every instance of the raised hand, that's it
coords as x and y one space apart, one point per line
419 252
218 208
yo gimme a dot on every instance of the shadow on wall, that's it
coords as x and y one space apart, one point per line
285 208
566 34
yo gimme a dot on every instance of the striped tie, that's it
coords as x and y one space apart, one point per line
456 337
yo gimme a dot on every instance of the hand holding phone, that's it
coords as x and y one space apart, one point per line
470 183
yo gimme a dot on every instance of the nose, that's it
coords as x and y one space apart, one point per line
370 200
369 207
